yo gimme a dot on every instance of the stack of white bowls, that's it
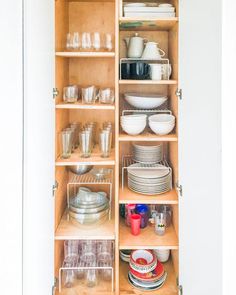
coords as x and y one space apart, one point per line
162 124
133 124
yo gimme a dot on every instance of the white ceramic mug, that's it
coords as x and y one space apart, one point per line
166 71
156 71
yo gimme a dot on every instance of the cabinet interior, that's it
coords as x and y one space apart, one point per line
104 17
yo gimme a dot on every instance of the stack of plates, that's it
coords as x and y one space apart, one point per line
149 10
125 255
148 153
144 277
89 207
156 179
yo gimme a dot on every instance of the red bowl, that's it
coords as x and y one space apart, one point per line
143 261
150 276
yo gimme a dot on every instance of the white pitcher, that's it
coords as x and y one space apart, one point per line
135 46
152 51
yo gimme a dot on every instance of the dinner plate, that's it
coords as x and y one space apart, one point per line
156 171
143 283
145 288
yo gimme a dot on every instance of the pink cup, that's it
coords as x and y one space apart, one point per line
135 221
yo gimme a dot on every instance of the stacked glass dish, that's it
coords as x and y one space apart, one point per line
89 207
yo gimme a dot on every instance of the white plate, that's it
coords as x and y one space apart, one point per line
156 172
135 5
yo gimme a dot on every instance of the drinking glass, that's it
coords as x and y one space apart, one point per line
76 41
105 273
135 221
80 272
129 210
106 95
105 139
86 41
71 249
167 211
85 143
89 94
71 93
91 276
69 41
76 127
108 45
96 41
160 226
66 143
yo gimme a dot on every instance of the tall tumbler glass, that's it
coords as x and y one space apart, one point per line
85 138
66 143
160 225
105 139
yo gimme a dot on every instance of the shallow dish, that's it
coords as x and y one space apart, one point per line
80 169
143 261
145 101
101 173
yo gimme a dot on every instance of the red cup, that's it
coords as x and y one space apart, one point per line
135 221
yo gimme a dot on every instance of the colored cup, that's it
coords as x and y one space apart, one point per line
135 221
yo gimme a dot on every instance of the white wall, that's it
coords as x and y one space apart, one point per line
229 145
11 120
200 142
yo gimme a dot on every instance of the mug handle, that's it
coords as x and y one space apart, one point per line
162 51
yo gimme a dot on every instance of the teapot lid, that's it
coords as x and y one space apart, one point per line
136 35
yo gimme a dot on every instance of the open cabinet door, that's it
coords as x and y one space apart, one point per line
38 235
200 147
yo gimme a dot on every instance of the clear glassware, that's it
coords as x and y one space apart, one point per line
69 41
105 274
66 143
105 140
89 94
71 249
160 226
91 275
167 211
85 139
108 44
106 95
70 93
76 40
96 41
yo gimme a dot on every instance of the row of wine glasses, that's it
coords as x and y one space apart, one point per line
87 40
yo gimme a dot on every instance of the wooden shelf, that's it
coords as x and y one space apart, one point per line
79 105
67 230
144 24
148 82
126 196
95 159
147 239
148 137
169 288
85 54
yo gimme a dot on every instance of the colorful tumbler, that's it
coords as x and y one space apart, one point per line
135 220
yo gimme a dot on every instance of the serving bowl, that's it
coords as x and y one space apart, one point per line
80 169
145 101
134 124
143 261
161 124
101 173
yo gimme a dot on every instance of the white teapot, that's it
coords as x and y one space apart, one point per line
135 46
152 51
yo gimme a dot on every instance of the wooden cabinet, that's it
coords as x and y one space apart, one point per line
188 149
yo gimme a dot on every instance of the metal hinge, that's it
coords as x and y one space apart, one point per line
180 289
179 188
179 93
55 92
54 188
54 286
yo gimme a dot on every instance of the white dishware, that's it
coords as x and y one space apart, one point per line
133 124
152 51
165 5
156 72
147 153
145 101
135 5
162 255
96 41
162 124
135 46
166 71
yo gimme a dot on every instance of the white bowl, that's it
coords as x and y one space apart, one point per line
134 129
162 118
161 128
165 5
137 117
162 255
145 101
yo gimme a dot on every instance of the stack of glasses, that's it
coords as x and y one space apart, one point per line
89 253
85 138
